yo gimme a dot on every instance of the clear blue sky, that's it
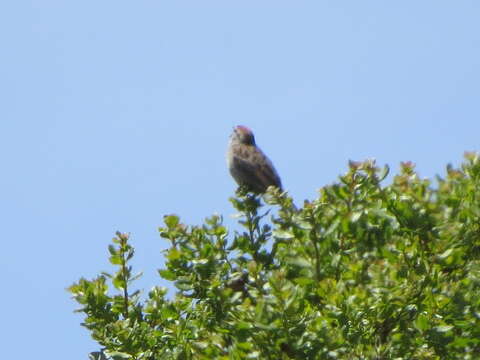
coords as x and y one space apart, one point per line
115 113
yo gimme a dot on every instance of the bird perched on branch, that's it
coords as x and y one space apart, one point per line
248 165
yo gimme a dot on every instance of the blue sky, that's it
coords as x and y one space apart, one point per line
116 113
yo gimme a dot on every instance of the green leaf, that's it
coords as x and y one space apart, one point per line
445 254
112 249
97 355
174 254
299 261
422 323
117 355
443 328
167 274
118 283
184 285
116 260
283 234
303 281
171 221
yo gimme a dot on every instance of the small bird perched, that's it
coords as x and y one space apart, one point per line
248 165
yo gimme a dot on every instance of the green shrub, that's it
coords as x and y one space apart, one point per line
363 272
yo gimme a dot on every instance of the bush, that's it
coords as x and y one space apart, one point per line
363 272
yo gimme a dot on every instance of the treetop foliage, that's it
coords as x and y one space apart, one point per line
365 271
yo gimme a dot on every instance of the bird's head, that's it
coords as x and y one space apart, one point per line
243 135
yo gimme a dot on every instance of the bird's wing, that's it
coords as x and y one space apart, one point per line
258 174
268 173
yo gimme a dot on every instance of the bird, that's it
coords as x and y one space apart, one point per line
248 165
